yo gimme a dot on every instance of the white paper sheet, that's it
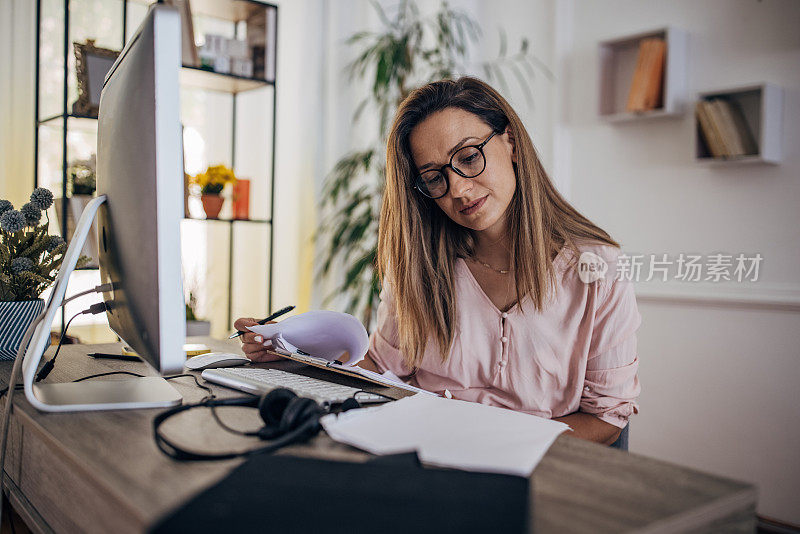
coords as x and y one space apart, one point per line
320 333
449 433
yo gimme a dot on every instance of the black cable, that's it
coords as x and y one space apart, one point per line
197 383
94 309
18 387
251 433
171 377
108 374
215 415
173 451
45 370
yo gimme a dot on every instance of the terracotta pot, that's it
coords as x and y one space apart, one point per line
212 204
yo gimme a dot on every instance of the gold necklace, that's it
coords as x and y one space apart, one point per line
501 271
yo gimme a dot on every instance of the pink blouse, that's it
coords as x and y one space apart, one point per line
579 354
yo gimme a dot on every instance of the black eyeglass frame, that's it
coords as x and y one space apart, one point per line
418 181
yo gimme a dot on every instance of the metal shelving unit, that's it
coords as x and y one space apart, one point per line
234 12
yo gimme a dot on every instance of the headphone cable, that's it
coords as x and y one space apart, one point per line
177 453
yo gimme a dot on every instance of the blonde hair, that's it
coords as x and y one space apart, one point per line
418 243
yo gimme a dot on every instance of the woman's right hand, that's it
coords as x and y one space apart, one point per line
253 345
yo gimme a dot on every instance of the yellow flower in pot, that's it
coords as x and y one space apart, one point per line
211 183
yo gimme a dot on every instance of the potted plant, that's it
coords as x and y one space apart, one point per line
211 184
195 326
81 186
29 261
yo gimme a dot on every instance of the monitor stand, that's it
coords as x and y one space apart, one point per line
147 392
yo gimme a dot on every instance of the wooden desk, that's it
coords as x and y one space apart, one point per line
102 472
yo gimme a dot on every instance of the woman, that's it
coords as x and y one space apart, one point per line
478 255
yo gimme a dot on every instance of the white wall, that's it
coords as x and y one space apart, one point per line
299 148
532 20
719 381
16 104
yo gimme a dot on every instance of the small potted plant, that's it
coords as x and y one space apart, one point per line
195 326
29 261
81 178
211 184
81 186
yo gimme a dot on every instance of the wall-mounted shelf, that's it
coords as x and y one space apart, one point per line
69 115
231 221
762 109
229 10
617 63
216 81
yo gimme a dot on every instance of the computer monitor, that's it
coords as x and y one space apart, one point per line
140 206
140 171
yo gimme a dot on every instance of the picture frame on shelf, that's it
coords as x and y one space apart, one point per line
92 63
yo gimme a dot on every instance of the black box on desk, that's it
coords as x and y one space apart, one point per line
389 494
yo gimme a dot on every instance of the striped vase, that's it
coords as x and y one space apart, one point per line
15 317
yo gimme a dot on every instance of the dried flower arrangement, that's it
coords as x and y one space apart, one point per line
29 256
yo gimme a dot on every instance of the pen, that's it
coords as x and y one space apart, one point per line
275 315
115 356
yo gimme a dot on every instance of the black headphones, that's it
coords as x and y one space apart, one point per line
287 419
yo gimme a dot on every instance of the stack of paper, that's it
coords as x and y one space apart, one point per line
449 433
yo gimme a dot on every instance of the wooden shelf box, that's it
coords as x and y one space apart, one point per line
618 58
762 107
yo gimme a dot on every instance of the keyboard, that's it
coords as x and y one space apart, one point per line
258 381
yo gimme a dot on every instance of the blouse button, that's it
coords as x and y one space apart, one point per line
504 315
504 339
501 364
586 388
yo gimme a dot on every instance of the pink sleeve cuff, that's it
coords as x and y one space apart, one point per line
610 394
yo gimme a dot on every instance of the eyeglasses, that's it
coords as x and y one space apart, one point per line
468 161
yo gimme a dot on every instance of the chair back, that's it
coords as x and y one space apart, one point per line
622 440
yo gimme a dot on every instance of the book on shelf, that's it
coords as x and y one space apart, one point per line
724 128
730 136
709 130
745 140
646 91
